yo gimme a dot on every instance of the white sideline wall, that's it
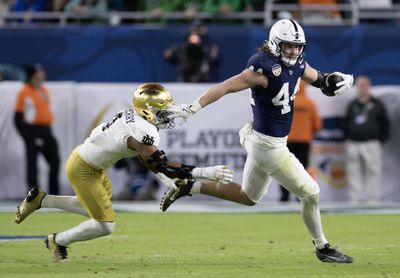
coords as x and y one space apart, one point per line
209 138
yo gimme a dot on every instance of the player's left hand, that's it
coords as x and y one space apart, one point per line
345 84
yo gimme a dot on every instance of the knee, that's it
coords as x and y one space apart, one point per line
312 200
104 228
107 227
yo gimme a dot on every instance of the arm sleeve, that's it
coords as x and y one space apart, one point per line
19 121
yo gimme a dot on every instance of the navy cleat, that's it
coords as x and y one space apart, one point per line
183 189
328 254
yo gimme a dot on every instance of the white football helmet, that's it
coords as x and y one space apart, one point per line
286 31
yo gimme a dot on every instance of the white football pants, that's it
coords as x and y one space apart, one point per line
267 158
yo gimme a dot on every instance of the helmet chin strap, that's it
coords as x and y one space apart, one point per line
288 62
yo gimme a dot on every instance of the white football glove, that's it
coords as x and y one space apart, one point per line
218 173
167 181
345 84
182 112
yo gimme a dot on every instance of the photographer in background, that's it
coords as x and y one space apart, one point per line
194 57
33 119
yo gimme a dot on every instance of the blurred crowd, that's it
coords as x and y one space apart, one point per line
219 11
154 9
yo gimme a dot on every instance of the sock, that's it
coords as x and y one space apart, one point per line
86 230
67 203
312 219
195 188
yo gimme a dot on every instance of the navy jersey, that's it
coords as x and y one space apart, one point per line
273 106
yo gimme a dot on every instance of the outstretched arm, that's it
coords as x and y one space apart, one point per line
158 162
245 80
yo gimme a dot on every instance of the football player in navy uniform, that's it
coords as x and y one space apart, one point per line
273 74
132 132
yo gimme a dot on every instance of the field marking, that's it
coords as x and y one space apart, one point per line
227 207
4 238
20 237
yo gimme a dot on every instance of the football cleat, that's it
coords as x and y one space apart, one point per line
32 202
183 189
328 254
58 252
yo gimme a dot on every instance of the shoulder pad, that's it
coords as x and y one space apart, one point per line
262 63
145 132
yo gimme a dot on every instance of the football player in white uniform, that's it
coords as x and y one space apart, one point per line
133 132
273 74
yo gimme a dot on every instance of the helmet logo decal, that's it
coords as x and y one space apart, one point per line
276 69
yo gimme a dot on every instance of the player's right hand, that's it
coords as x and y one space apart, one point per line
345 84
180 113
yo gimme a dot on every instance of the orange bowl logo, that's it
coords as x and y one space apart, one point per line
276 69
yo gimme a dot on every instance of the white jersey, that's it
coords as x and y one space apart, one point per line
107 143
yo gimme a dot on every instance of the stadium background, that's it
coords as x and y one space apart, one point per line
96 68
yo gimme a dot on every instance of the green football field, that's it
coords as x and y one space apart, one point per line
204 245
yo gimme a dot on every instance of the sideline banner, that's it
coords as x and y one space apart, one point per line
208 138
